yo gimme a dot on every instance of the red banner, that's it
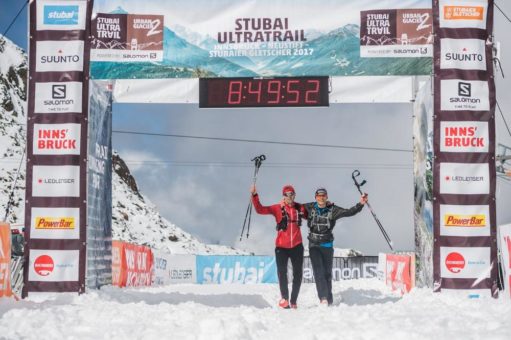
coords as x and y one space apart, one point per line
131 265
400 272
5 260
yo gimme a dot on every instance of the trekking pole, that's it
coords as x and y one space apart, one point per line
257 164
356 173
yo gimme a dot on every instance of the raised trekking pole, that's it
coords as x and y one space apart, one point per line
355 174
257 163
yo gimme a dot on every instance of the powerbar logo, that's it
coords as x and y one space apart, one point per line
465 220
464 13
60 15
54 223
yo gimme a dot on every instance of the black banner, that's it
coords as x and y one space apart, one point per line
55 209
464 174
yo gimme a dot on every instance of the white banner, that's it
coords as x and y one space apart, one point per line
161 268
468 95
58 97
56 181
182 269
465 14
59 56
60 15
465 220
504 232
463 54
465 262
464 178
55 223
53 265
462 136
56 139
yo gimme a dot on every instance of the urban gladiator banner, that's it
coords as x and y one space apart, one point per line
155 39
464 213
55 210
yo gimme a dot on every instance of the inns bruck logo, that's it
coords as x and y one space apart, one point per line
61 15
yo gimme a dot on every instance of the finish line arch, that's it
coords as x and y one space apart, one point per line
155 53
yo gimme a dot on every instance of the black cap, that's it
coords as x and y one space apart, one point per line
321 191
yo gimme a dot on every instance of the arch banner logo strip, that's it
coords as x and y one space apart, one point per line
161 39
464 211
58 87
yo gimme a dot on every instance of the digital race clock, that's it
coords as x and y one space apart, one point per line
263 92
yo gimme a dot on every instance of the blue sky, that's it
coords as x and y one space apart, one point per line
210 200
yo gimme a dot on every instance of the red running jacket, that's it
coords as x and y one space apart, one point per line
292 236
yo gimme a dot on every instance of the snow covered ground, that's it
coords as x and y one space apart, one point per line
367 311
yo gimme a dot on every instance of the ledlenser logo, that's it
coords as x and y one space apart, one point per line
67 223
464 178
455 262
465 220
60 15
55 180
463 13
44 265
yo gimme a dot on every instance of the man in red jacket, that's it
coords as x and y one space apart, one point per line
288 244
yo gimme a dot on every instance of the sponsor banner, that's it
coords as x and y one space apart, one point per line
400 272
55 223
127 38
117 261
465 220
99 186
236 269
249 38
60 15
463 54
63 97
396 33
53 265
463 14
5 260
463 136
465 262
464 178
59 56
345 268
504 232
56 139
56 181
132 264
464 95
182 269
161 268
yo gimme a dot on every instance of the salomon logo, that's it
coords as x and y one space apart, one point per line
464 89
58 91
61 15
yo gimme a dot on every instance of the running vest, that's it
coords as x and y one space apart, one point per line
320 226
282 225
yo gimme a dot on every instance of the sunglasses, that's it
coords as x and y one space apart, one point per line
320 195
289 194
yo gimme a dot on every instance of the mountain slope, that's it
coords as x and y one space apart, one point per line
135 218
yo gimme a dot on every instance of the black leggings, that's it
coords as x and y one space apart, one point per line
321 259
296 255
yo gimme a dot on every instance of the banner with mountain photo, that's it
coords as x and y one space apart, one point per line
157 39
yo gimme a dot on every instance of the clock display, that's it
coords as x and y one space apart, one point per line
263 92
